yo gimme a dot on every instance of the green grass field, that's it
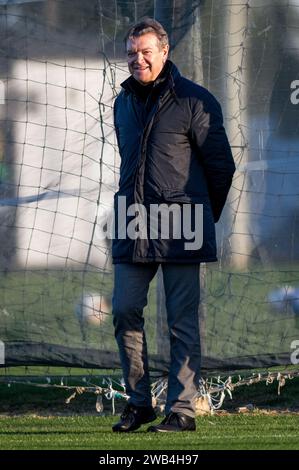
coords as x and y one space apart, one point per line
40 307
38 418
214 432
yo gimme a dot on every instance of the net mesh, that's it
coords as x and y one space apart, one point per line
61 66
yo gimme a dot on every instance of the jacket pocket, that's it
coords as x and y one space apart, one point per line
173 195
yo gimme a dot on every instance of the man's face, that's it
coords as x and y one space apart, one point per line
146 58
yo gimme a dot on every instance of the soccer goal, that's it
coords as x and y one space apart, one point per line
61 66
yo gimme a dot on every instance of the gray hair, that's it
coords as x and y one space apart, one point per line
148 25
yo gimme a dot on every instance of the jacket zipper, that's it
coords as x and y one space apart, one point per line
142 151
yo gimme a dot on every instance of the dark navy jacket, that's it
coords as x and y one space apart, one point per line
173 149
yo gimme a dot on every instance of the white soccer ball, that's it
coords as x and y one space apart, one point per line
93 309
277 299
284 299
295 305
295 300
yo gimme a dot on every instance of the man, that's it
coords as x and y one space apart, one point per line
174 151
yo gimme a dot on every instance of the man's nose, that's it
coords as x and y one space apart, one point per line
139 57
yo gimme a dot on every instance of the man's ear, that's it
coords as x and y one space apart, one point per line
165 52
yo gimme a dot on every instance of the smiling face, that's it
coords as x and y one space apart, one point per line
146 58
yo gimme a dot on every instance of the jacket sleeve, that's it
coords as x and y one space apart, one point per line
210 140
114 122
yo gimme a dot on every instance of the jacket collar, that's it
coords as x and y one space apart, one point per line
165 80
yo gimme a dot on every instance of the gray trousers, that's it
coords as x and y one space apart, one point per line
182 292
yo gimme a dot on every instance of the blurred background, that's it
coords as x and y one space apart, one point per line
61 65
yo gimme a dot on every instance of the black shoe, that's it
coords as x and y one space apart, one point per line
175 422
133 417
